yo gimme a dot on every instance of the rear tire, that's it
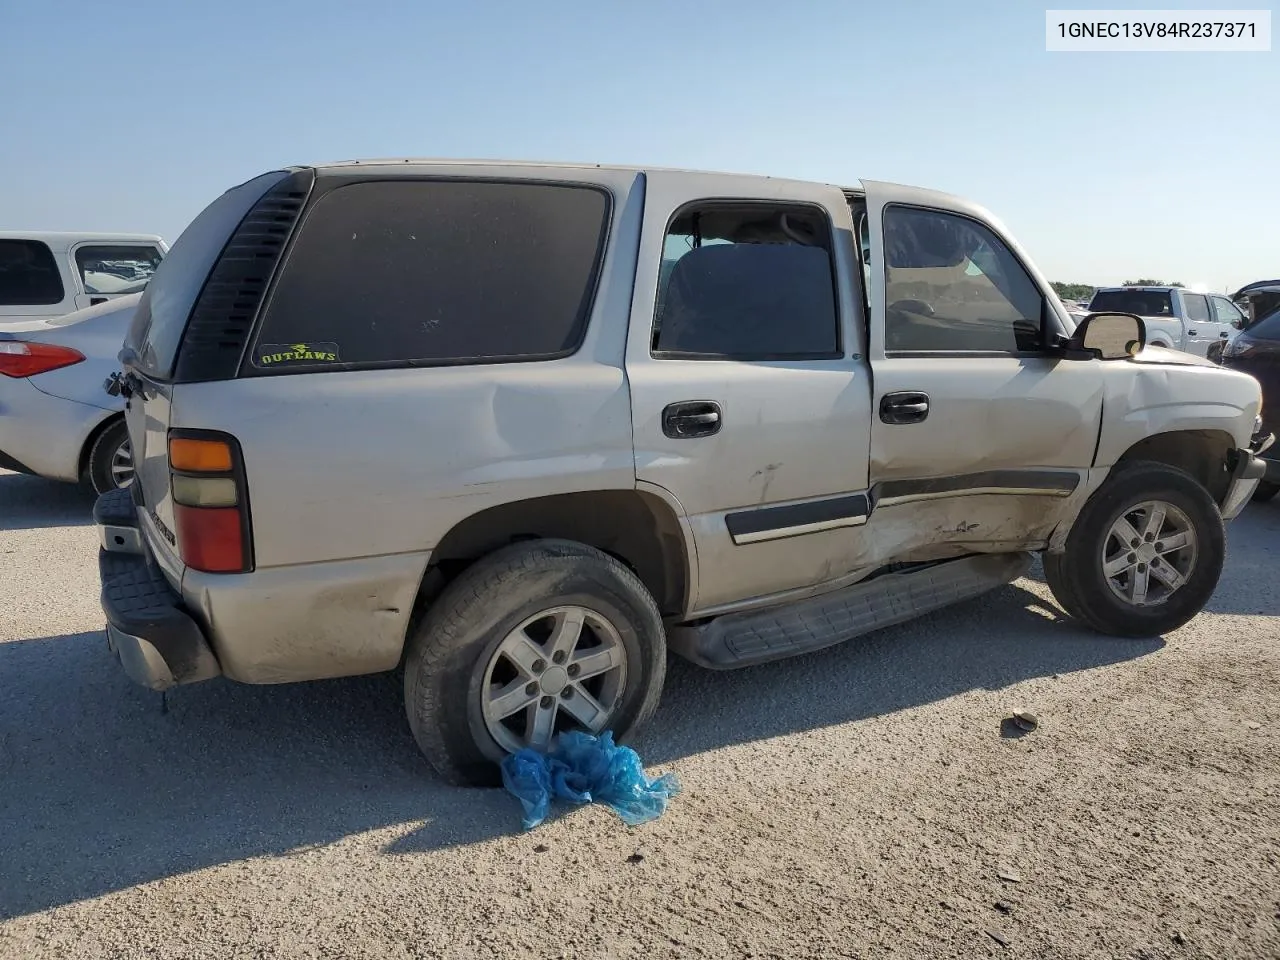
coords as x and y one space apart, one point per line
1265 491
111 459
457 667
1142 498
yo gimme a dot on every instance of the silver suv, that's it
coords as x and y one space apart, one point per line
518 429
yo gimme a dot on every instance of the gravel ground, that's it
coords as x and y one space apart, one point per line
859 802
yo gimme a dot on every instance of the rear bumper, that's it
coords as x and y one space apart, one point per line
1247 469
275 625
158 643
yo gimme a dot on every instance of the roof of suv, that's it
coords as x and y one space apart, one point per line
556 165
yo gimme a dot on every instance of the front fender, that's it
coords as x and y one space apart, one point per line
1143 399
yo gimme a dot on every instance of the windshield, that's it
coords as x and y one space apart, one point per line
1145 303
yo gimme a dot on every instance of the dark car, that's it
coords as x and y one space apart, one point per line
1256 351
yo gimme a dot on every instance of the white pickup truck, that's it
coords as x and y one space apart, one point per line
46 275
1199 323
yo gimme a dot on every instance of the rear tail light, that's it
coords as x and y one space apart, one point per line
210 507
18 358
211 539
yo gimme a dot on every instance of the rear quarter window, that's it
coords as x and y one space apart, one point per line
434 272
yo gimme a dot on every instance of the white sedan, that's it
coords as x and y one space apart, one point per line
56 419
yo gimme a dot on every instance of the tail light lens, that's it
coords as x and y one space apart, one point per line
18 358
210 539
210 506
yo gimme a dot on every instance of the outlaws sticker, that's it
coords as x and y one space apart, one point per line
282 354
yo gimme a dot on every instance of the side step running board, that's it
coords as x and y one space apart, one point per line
759 636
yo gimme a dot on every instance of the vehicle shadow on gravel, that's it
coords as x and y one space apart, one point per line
1009 636
28 503
100 790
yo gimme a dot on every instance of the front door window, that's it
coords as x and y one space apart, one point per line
952 286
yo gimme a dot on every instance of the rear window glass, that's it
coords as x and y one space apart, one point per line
28 274
1145 303
1268 328
116 269
436 272
162 314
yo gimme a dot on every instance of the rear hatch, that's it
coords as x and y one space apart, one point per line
190 327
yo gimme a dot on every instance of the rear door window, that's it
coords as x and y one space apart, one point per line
116 268
1197 307
747 282
432 272
28 274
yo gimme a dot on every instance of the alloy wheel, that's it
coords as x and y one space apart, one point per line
562 668
1149 553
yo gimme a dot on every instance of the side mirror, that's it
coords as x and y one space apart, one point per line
1107 336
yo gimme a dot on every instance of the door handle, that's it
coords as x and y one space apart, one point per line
907 406
691 418
1191 333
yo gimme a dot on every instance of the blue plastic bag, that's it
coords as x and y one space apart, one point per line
582 768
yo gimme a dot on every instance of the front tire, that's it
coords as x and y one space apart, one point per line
111 459
1144 556
535 638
